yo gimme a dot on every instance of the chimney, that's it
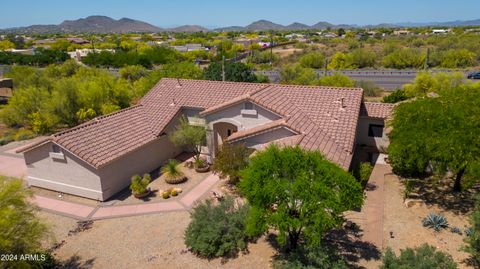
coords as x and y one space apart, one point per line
342 103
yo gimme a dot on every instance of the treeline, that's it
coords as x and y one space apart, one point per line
65 95
146 57
41 57
410 52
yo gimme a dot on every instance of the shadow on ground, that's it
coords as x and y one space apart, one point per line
440 192
346 242
75 262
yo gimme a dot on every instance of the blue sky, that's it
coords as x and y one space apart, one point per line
225 13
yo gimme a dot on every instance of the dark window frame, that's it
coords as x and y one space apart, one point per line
374 133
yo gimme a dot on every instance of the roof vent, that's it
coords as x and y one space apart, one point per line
179 83
173 102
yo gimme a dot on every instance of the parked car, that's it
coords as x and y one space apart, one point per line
474 75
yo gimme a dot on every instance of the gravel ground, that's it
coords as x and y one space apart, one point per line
407 227
158 184
150 241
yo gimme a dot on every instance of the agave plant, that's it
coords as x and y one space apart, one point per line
173 175
436 222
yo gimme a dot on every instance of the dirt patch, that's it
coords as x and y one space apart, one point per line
406 223
150 241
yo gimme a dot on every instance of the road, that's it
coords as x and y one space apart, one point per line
386 79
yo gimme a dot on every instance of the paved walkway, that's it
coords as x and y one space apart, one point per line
85 212
373 207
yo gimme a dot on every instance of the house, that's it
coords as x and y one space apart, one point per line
440 31
97 159
401 32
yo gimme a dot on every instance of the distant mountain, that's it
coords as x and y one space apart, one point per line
92 24
189 29
263 25
297 26
103 24
323 25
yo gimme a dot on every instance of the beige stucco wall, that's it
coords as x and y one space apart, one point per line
365 140
117 175
70 175
234 115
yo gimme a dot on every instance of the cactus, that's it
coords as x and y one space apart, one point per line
436 222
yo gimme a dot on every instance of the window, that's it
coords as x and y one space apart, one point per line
375 130
229 132
248 106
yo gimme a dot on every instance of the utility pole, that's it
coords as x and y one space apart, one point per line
427 58
271 51
234 49
223 67
326 67
93 49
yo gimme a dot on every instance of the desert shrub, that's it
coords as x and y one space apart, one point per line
436 222
341 61
408 189
335 80
312 60
395 97
404 58
139 184
473 234
369 88
217 230
310 258
423 257
457 58
362 172
362 58
6 139
23 134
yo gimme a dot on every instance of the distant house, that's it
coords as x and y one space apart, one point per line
22 51
189 47
401 32
97 159
440 31
77 40
78 54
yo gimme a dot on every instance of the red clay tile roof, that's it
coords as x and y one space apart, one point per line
326 117
273 125
376 110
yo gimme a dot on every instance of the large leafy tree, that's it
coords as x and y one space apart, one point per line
21 232
238 72
298 193
440 131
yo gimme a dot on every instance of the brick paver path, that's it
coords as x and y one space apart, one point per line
374 205
80 211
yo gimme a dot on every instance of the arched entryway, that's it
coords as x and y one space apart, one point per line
222 130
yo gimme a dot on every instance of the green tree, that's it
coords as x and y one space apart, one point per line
238 72
341 61
404 58
21 232
298 193
458 58
336 80
133 72
363 58
230 160
189 136
312 60
6 44
422 257
440 131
